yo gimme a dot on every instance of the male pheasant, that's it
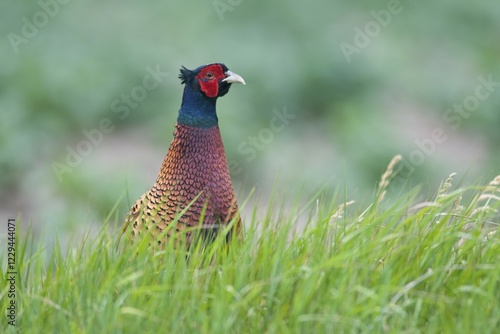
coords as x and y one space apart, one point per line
194 180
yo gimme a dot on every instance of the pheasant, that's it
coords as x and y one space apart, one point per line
194 182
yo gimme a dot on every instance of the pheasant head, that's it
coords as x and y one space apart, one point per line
202 88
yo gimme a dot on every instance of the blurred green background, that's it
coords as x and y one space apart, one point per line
65 64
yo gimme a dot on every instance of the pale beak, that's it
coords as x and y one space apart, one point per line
233 78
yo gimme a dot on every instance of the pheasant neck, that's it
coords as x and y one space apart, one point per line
194 151
197 110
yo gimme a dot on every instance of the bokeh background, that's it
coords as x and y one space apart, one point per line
352 114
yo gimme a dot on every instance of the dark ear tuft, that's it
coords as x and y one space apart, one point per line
185 75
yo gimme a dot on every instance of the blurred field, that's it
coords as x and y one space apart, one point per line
351 114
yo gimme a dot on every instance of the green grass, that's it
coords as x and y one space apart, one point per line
390 268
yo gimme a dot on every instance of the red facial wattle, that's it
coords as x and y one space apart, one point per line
209 79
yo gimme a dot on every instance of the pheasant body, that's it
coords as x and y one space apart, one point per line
194 181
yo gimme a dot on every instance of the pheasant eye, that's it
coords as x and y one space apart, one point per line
209 75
